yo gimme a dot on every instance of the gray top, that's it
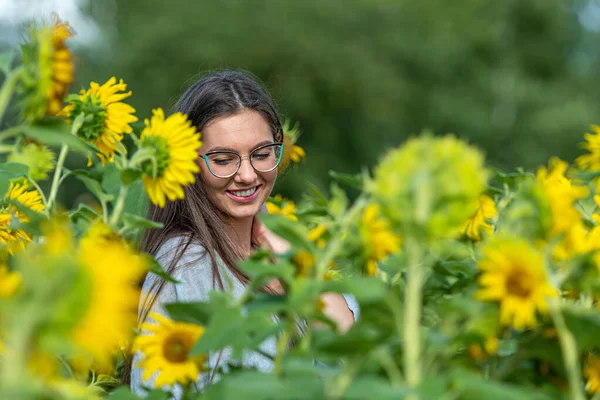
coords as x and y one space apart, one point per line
195 277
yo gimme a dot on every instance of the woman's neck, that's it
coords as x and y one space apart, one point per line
240 233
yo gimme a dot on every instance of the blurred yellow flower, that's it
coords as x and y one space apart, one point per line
378 239
304 261
513 274
283 207
110 117
591 161
591 371
561 194
291 152
58 236
316 235
174 143
167 349
36 156
74 390
16 239
430 184
478 222
48 69
9 282
112 268
490 347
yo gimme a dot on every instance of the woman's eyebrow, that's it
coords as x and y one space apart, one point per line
219 148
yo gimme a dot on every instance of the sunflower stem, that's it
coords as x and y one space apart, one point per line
119 206
282 344
55 181
8 87
568 346
337 242
412 315
37 187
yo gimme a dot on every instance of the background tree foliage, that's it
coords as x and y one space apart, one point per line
514 77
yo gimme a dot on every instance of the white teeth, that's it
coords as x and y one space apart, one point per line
244 193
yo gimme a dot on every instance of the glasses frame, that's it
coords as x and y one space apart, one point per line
241 158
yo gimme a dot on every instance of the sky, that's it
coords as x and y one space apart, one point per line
13 13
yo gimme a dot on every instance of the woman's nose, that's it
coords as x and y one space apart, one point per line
246 172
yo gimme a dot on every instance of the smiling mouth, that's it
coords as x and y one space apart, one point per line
244 193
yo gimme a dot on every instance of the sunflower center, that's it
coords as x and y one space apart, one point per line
95 117
161 154
519 284
176 348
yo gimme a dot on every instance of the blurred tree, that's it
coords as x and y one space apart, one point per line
363 75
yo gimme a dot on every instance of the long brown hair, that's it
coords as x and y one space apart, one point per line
195 218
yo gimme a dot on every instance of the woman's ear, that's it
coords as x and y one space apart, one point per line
279 136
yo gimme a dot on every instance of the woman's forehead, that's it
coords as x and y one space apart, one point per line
241 131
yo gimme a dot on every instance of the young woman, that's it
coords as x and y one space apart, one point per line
205 234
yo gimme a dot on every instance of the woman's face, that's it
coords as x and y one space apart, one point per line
241 195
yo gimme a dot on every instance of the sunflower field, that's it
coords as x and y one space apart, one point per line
472 282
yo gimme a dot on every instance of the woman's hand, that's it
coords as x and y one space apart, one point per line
337 310
262 236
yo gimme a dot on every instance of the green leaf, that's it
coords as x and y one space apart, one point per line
34 217
339 201
135 221
474 387
257 385
10 171
111 180
367 387
584 324
259 269
157 269
292 231
93 185
55 132
6 59
84 212
77 123
123 393
366 290
198 313
354 181
356 341
14 169
130 175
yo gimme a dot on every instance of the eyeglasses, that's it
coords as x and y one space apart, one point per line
224 164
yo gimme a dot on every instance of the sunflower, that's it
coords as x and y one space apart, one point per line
591 161
166 351
291 152
431 183
283 207
110 117
174 144
513 274
36 156
591 372
561 194
478 222
378 239
48 69
9 282
16 239
112 269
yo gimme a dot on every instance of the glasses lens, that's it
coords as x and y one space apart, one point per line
266 158
223 164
